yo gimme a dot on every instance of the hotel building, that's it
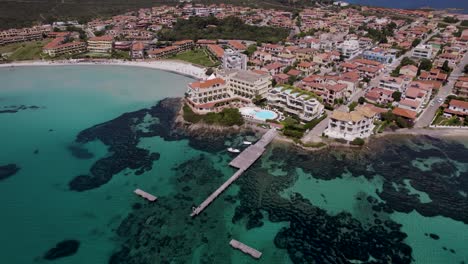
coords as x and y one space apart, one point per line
231 88
103 44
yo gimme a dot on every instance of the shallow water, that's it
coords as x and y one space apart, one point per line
293 206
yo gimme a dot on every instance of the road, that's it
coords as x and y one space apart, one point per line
426 117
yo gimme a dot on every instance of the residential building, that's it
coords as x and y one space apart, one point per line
461 87
415 99
409 70
349 49
234 60
138 50
59 47
102 44
456 108
304 106
423 52
379 96
379 55
216 51
393 83
351 125
236 45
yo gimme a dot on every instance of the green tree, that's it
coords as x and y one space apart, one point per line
358 142
396 96
361 100
425 65
250 50
415 42
445 67
465 69
352 106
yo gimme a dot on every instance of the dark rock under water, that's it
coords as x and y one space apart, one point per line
8 170
62 249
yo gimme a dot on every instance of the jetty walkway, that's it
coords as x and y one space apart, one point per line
246 249
243 161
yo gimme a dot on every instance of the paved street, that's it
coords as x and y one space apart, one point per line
426 117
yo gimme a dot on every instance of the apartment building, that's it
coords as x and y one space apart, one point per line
234 60
304 106
423 52
351 125
393 83
103 44
59 47
379 55
349 49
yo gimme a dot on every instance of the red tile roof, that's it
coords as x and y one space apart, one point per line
404 113
207 83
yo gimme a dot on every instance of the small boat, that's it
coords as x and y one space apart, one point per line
233 150
247 143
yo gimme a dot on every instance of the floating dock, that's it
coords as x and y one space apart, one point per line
243 161
146 195
246 249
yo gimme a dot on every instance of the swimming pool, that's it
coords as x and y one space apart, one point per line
257 113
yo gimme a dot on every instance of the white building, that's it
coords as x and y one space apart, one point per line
349 48
304 106
102 44
393 83
234 60
423 52
352 125
232 88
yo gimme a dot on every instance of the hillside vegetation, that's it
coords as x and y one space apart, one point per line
22 13
229 28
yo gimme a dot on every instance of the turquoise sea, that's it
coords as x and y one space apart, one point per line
400 200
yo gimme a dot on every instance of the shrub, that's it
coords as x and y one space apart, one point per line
358 142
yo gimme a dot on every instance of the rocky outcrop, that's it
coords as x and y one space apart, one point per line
7 171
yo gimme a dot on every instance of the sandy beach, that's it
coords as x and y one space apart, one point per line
174 66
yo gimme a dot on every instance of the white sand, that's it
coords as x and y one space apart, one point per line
178 67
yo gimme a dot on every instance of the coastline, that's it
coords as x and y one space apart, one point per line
174 66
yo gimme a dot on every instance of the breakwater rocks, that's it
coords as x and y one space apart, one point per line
425 164
8 170
62 249
14 109
163 232
123 133
313 235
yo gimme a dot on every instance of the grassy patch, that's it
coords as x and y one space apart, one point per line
196 56
24 51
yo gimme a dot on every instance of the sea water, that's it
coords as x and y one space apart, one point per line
39 210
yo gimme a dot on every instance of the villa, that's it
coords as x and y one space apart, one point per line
351 125
305 106
456 108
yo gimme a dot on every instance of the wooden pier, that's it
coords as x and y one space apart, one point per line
146 195
246 249
243 161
